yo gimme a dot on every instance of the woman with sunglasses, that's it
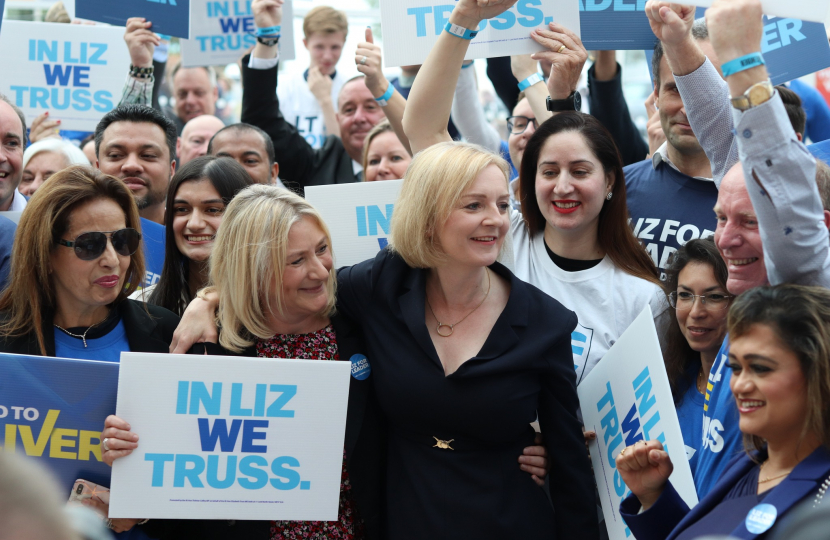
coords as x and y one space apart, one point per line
75 260
696 288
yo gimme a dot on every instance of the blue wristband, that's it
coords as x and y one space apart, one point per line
270 31
383 100
460 31
530 81
465 66
743 63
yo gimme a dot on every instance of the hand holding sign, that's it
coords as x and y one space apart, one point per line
469 13
141 41
44 127
645 468
566 63
735 28
120 440
671 23
267 13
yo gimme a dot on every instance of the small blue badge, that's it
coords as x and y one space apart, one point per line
761 518
360 367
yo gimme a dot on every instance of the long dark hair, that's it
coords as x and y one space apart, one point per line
228 178
679 355
800 316
614 234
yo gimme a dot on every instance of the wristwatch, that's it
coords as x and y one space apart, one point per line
570 103
756 95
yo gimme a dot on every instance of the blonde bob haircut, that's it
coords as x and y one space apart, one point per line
249 258
433 184
29 300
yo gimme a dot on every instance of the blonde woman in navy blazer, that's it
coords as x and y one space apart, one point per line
780 361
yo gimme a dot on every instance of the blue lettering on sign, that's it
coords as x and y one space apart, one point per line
616 5
531 17
250 472
220 433
781 33
223 9
369 226
197 395
171 2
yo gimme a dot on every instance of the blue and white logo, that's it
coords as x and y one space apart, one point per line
581 346
761 518
360 367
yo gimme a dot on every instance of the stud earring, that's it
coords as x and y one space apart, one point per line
608 197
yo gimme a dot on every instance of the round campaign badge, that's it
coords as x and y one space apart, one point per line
360 367
761 518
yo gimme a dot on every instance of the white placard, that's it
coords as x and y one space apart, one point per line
231 438
411 27
76 72
808 10
627 398
358 215
223 31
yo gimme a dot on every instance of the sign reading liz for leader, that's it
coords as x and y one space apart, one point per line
76 72
223 30
53 410
626 398
411 27
231 437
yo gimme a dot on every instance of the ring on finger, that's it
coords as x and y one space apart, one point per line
104 444
363 61
622 454
562 48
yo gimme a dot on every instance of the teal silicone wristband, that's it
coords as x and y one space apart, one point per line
742 64
460 31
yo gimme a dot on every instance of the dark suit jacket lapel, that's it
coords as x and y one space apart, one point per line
411 301
140 328
503 336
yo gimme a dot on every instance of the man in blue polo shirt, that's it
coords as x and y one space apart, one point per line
138 145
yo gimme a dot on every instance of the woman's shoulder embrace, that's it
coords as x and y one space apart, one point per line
135 311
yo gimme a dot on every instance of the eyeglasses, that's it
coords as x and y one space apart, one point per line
90 245
517 125
685 300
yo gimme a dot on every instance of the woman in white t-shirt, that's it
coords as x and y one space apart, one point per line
572 239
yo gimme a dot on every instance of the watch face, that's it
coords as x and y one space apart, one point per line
759 94
577 101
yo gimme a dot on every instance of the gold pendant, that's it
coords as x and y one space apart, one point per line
444 445
450 326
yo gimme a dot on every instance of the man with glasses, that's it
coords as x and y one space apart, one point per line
520 126
138 145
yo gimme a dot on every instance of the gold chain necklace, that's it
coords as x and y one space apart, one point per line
452 326
765 480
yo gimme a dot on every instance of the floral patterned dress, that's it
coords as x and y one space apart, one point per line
319 345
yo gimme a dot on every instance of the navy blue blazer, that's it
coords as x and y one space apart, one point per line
670 515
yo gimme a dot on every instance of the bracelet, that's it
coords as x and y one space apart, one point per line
465 66
143 521
530 81
743 63
269 31
383 100
141 72
268 41
460 31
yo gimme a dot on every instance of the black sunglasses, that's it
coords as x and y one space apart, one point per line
90 245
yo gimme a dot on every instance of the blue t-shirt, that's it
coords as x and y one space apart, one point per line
721 439
818 113
668 208
689 412
107 348
152 236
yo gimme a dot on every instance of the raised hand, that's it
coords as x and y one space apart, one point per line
523 66
671 23
372 66
654 128
645 468
44 127
735 28
267 12
567 56
468 13
141 41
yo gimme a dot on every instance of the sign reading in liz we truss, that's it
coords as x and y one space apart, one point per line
221 32
808 10
231 438
170 17
411 27
75 72
626 398
359 217
53 410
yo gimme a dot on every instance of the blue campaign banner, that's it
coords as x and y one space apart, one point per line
2 3
792 48
614 25
170 17
153 238
53 410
